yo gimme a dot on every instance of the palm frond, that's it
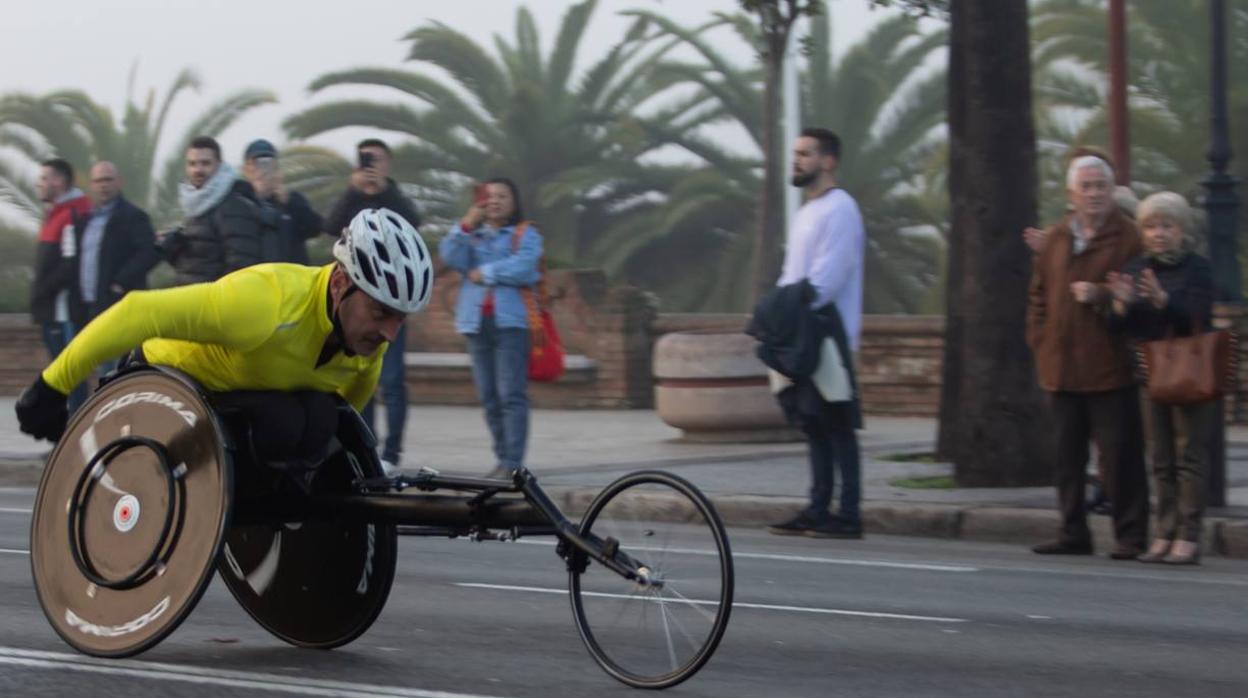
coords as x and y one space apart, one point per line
464 60
563 56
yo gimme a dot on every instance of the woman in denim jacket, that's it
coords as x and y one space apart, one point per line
491 314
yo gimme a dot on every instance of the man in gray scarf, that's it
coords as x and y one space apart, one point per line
222 229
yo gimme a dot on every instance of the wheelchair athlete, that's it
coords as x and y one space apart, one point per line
276 343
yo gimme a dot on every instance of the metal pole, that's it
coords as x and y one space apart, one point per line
1222 207
1119 129
1221 201
792 126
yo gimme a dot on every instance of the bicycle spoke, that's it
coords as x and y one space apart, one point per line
659 648
667 634
698 606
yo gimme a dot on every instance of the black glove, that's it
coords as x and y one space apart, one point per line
41 411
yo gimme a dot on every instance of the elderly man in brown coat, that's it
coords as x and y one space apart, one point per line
1084 366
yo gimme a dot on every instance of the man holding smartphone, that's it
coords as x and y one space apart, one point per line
288 217
371 187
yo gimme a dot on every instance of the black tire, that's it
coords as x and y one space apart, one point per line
316 584
693 559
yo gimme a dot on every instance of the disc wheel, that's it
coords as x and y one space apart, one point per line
654 635
314 584
130 514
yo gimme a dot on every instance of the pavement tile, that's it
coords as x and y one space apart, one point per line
577 452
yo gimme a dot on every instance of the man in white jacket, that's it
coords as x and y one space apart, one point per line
826 246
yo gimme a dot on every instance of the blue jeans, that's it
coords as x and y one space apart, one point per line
831 450
57 336
394 394
500 368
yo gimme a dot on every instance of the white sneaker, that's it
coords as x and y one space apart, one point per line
390 469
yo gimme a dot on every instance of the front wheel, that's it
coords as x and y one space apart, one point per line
659 634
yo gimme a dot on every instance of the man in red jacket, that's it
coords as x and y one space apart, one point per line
56 259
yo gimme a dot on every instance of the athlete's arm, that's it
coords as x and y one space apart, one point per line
239 311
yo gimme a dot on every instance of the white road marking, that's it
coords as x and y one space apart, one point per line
735 604
798 558
14 510
1204 578
14 551
216 677
860 563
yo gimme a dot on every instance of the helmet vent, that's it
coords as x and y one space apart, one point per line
382 252
365 266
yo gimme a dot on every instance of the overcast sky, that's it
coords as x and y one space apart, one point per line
282 46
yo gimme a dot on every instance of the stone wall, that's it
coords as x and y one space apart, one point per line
606 328
609 333
22 355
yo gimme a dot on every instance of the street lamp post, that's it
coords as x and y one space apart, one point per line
1222 207
1119 136
1221 201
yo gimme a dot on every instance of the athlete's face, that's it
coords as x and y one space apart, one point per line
366 324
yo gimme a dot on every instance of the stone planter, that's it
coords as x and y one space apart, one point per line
711 386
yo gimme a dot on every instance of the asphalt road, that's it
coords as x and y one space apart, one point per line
881 617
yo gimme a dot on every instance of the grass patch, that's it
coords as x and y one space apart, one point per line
920 457
934 482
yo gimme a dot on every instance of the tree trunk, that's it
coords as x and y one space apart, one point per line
769 236
994 422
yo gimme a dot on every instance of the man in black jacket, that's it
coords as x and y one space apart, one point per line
289 220
117 244
222 230
371 187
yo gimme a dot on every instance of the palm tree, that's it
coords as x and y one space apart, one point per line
68 123
570 142
1168 75
992 418
887 132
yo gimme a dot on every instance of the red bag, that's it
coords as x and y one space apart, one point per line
545 347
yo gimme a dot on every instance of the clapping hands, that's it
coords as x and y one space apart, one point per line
1125 288
1121 286
1149 288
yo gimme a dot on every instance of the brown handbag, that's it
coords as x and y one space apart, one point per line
1187 370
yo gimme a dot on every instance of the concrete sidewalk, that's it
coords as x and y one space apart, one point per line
577 452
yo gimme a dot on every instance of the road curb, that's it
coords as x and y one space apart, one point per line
1015 525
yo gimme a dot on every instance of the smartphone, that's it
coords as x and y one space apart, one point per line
266 166
366 159
480 193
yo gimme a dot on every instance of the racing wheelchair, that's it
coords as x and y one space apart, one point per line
151 488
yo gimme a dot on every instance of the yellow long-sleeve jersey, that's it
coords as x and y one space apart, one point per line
259 328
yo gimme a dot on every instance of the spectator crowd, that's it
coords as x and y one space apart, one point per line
92 250
1108 277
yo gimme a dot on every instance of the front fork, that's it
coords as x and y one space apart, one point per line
577 549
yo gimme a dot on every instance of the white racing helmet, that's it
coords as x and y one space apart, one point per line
384 256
